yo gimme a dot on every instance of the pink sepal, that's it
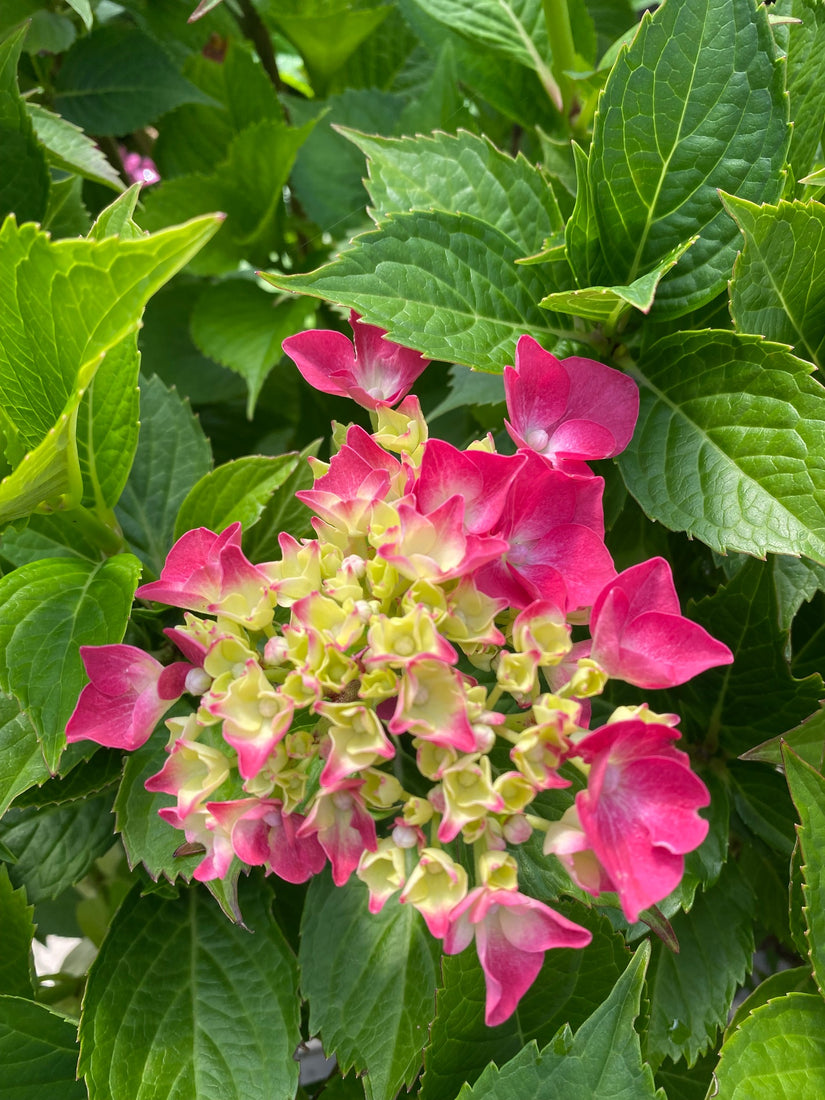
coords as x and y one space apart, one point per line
375 373
639 634
512 932
640 809
262 834
128 695
571 410
201 828
481 479
343 825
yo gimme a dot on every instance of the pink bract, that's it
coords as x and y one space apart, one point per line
210 573
262 834
569 410
375 372
512 932
483 481
640 635
640 812
128 695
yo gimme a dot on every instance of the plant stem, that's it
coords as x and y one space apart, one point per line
560 33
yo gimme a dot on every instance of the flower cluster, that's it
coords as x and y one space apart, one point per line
392 695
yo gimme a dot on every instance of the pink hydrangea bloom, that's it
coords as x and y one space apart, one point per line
569 410
640 811
482 480
261 834
375 372
128 695
142 170
512 932
211 573
344 827
639 634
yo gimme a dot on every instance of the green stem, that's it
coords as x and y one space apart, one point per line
560 33
107 538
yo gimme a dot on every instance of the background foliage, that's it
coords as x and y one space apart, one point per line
639 188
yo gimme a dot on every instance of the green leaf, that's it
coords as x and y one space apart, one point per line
807 789
66 215
326 32
807 740
514 28
247 186
469 387
444 284
57 535
797 581
24 184
48 609
358 968
242 327
798 979
283 512
602 1062
69 149
86 777
691 992
222 999
117 79
116 220
84 10
147 838
734 412
21 760
172 454
761 799
696 104
53 345
570 986
461 173
107 425
55 846
38 1052
777 1053
735 706
778 286
18 933
805 46
236 492
607 305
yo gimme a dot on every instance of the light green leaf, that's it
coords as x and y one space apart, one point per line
691 992
24 184
68 148
53 345
778 286
460 174
569 987
172 454
515 28
55 846
358 968
601 1062
21 759
444 284
147 838
118 79
326 32
48 609
609 304
797 979
283 512
38 1052
807 740
247 186
18 933
236 492
116 219
777 1053
807 789
221 998
242 327
696 104
739 414
84 10
107 425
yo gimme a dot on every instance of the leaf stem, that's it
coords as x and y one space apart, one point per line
560 33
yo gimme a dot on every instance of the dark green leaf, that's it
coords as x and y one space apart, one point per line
357 969
68 148
221 998
691 992
172 455
55 535
734 412
118 79
283 512
48 609
327 31
18 933
805 45
807 740
38 1052
761 799
24 180
21 758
